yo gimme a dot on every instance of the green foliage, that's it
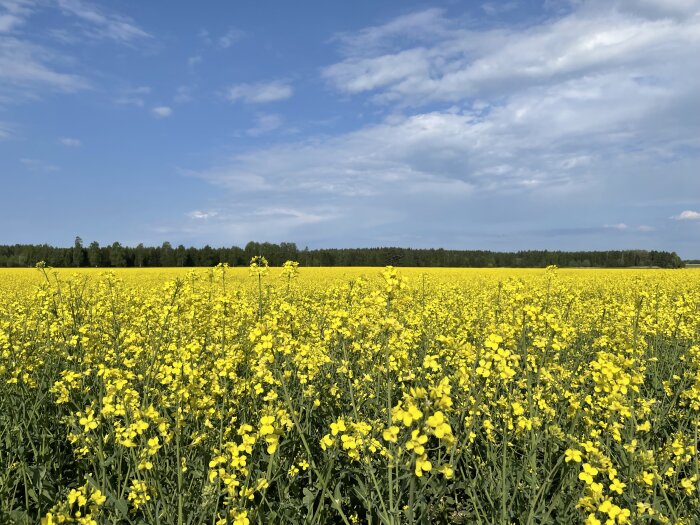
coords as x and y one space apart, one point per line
165 255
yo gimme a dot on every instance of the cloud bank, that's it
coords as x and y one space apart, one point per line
489 134
260 93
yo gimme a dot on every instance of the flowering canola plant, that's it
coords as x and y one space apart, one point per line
348 395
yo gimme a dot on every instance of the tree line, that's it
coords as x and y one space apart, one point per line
118 256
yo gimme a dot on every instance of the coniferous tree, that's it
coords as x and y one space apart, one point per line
139 255
78 252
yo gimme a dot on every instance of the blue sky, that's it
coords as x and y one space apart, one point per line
483 125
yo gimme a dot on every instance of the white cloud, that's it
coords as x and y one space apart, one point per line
99 24
465 63
621 226
27 69
161 111
38 165
70 142
194 60
497 8
183 94
64 36
534 139
17 7
239 225
687 215
133 96
552 99
265 123
15 14
367 74
8 22
125 100
571 121
231 37
422 26
553 146
202 215
654 8
261 92
139 90
403 156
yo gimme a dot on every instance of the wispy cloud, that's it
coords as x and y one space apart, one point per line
232 36
71 142
139 90
242 223
14 13
38 165
99 24
161 111
133 96
26 69
687 215
260 93
422 26
125 100
265 123
64 36
183 94
9 22
224 41
497 8
619 226
202 215
652 8
462 63
5 131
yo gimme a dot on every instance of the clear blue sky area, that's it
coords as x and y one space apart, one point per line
479 125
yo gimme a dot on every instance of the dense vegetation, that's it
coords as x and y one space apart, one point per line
231 396
116 255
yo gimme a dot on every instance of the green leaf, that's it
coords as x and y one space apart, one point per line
122 507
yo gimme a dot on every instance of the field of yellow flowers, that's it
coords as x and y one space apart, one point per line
293 395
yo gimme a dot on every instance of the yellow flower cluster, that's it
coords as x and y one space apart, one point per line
350 395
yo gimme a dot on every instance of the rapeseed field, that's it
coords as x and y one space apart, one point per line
349 395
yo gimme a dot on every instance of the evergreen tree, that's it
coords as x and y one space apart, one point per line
139 255
78 252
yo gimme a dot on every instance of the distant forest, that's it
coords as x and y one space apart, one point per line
118 256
